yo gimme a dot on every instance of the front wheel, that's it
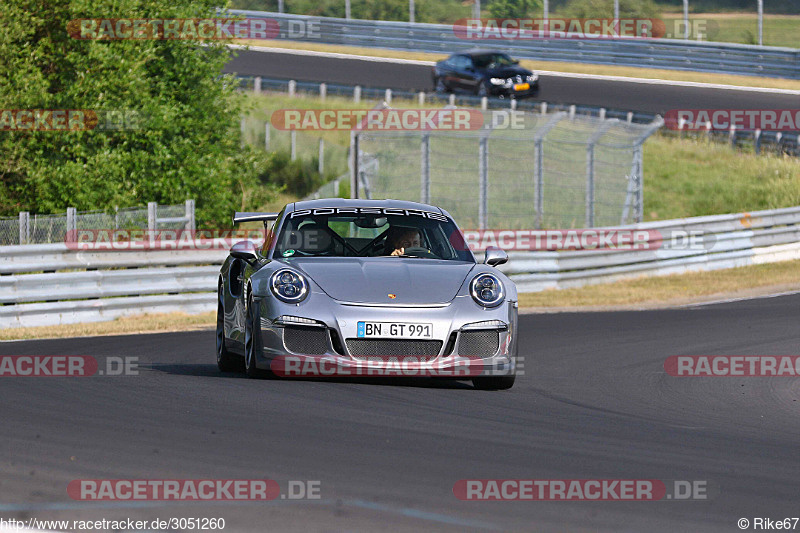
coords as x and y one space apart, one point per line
226 361
494 382
252 339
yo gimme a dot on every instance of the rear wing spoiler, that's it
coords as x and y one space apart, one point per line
251 217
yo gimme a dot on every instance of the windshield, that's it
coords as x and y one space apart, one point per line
370 232
492 61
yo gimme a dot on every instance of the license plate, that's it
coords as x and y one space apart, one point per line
394 330
522 86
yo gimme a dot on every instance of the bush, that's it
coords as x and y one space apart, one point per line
298 178
188 144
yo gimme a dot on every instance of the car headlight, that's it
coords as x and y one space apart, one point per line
497 81
532 77
487 290
289 286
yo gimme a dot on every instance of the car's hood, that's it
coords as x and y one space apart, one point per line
507 72
372 280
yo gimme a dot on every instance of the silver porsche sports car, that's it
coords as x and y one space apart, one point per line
366 287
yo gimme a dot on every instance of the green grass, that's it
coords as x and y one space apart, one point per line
694 177
779 30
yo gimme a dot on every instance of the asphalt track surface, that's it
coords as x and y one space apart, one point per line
622 95
594 403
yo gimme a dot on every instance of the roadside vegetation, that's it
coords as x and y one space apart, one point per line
179 138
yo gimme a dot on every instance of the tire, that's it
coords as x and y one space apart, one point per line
252 341
494 382
226 361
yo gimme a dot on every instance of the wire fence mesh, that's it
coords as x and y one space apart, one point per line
51 228
551 171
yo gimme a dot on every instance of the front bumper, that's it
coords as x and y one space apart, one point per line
510 92
464 335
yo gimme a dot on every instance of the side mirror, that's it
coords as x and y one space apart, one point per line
516 61
244 250
495 256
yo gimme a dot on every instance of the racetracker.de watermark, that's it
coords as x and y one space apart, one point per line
598 239
393 119
733 365
737 119
66 366
115 29
136 240
378 366
558 28
67 120
191 490
579 490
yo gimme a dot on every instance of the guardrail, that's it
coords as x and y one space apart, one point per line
726 241
670 54
50 284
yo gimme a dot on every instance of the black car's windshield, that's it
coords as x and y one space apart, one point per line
492 61
370 232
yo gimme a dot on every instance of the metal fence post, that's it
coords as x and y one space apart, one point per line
152 208
483 182
72 220
757 142
257 85
189 214
292 88
639 181
425 169
24 227
590 169
589 222
323 91
321 163
387 97
357 94
293 140
421 97
266 136
353 164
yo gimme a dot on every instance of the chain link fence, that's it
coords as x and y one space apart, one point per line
51 228
555 170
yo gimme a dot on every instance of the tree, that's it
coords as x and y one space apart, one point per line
187 142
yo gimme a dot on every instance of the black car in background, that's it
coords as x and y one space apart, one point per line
484 73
